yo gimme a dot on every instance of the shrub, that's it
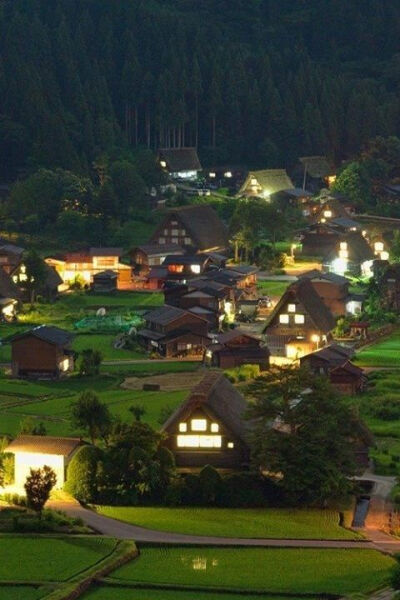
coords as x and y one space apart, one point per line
395 577
210 485
81 474
387 408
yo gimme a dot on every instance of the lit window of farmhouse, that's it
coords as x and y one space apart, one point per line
327 214
199 441
214 427
199 425
231 445
291 308
378 246
343 245
299 319
284 319
182 427
195 268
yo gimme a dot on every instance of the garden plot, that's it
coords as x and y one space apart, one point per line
168 382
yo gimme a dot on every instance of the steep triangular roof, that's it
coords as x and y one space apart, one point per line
316 166
270 180
216 393
304 292
180 159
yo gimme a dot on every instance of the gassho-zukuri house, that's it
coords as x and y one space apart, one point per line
36 451
209 427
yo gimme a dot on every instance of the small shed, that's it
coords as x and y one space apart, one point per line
36 451
105 281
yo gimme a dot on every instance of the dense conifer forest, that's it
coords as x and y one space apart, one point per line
253 81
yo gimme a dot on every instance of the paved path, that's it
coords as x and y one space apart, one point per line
114 528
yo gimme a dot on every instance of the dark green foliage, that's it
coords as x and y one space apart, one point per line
91 415
38 486
90 362
386 407
81 473
29 426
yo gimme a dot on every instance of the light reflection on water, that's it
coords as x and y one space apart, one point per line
199 563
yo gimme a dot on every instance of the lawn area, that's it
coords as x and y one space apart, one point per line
20 592
234 522
272 570
105 343
125 593
150 368
27 558
384 353
272 288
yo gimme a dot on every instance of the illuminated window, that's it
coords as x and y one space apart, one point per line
378 247
175 232
188 241
228 174
161 240
214 427
175 268
343 254
199 425
284 319
199 441
195 268
231 445
212 175
253 181
343 245
163 163
327 214
182 427
291 308
299 319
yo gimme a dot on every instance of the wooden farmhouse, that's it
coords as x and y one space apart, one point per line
264 183
144 257
180 163
317 171
318 239
43 352
197 228
334 361
295 198
333 290
173 332
10 257
300 323
235 348
84 265
10 296
209 428
351 253
36 451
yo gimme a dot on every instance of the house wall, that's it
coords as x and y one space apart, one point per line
173 231
32 354
24 461
179 346
223 457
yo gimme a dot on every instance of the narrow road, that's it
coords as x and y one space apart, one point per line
118 529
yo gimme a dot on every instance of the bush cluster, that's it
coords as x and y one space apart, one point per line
242 373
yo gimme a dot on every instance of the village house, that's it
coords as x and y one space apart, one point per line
334 361
174 332
10 297
209 427
333 290
105 281
235 348
144 257
299 324
42 352
296 198
351 253
333 212
10 256
266 182
317 172
389 277
83 265
318 239
180 163
196 228
37 451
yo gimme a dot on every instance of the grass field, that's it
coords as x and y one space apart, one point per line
123 593
105 343
256 523
385 353
272 288
20 592
272 570
33 559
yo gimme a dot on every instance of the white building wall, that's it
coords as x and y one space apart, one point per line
24 461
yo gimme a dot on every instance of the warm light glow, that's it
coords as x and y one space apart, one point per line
293 352
231 445
299 319
199 441
212 175
343 254
331 180
343 245
315 338
253 181
323 220
327 214
291 308
284 319
8 311
199 425
195 269
214 427
228 174
384 255
364 232
182 427
339 266
163 163
64 365
366 268
378 246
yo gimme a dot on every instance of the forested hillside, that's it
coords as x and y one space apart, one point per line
255 81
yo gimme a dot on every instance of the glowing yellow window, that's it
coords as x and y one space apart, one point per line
343 245
231 445
327 214
343 254
199 425
253 181
378 247
182 427
163 164
199 441
299 319
284 319
291 308
214 427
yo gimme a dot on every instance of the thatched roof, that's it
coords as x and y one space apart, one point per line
303 292
316 166
218 395
316 275
358 248
180 159
270 181
39 444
